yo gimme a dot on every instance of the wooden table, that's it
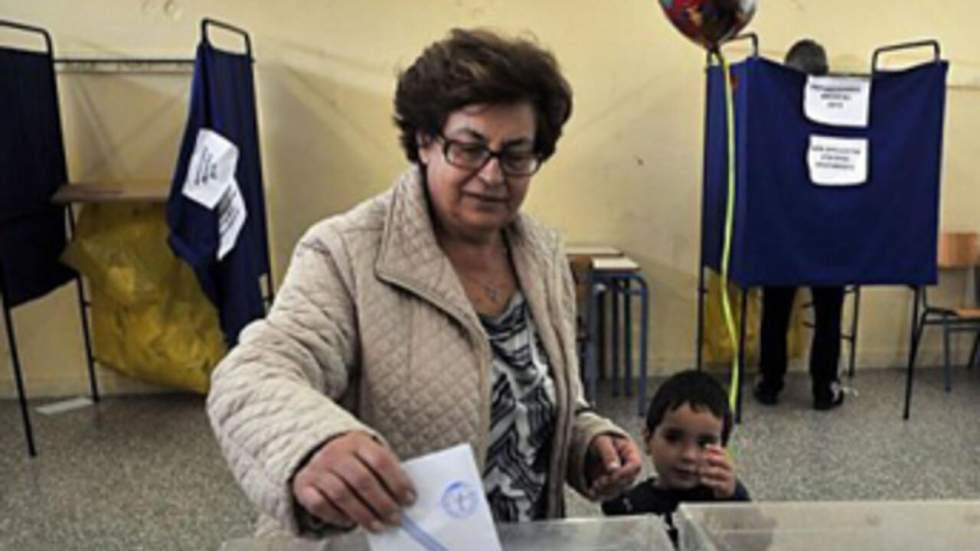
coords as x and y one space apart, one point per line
144 192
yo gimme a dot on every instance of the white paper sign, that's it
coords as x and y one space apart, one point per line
231 218
838 161
451 511
211 168
837 101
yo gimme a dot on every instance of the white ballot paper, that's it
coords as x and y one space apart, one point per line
838 161
211 182
838 101
211 168
231 218
451 512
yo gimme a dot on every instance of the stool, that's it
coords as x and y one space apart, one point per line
580 257
620 277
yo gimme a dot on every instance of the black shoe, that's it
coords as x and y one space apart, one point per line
830 398
765 395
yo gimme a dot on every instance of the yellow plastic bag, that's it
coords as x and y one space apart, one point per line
150 319
717 347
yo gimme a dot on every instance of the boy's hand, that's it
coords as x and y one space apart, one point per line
614 462
717 472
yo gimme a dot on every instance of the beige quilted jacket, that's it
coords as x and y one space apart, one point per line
372 331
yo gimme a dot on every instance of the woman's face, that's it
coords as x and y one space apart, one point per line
475 203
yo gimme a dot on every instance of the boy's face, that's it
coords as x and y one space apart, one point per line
677 445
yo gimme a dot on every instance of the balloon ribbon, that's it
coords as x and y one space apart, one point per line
726 305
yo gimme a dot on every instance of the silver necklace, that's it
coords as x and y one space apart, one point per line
492 292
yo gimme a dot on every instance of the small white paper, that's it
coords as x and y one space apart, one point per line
838 161
231 218
211 168
838 101
451 512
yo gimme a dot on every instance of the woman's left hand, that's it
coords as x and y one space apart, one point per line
614 461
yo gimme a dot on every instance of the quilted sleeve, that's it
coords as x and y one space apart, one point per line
273 397
587 423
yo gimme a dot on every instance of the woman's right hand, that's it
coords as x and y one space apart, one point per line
354 479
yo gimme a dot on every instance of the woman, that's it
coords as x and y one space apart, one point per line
431 315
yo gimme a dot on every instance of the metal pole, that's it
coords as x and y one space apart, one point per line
83 312
913 345
18 378
741 355
854 325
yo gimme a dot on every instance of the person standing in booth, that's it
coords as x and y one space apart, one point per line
777 302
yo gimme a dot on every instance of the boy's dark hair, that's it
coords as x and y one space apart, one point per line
808 56
696 389
479 66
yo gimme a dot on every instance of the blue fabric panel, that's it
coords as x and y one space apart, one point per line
30 247
32 167
223 99
789 231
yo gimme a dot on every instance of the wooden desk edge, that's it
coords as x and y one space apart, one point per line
110 193
617 264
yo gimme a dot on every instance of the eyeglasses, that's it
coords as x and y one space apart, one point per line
474 156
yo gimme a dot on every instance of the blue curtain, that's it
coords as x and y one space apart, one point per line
788 231
32 167
223 100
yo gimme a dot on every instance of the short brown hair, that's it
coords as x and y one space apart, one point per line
479 66
699 391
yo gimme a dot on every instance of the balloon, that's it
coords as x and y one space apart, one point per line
709 22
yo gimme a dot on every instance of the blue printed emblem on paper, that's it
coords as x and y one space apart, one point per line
460 500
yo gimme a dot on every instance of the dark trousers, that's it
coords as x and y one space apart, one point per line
777 304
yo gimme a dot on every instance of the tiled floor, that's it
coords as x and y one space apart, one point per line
145 473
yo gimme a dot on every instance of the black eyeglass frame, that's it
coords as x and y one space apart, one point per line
501 157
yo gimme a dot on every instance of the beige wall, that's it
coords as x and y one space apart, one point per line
627 172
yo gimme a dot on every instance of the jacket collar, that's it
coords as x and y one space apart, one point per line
411 257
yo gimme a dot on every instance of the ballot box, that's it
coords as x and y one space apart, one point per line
635 533
808 526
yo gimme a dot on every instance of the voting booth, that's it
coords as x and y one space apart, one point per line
216 210
836 177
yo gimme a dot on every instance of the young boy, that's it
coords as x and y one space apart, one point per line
687 428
